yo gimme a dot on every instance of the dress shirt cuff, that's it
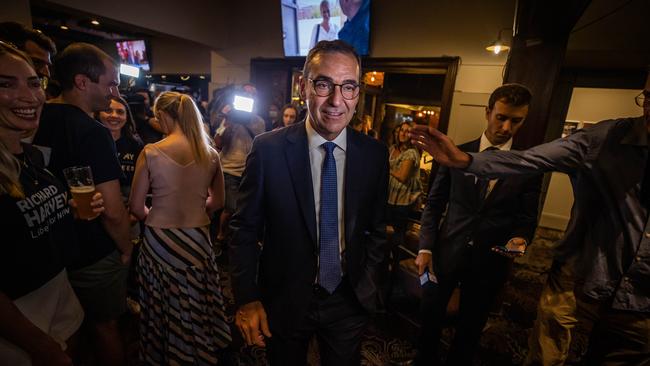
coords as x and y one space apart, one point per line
471 159
427 251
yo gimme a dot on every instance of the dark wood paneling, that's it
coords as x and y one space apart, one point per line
536 60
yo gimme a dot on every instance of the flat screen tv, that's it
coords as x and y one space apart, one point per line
305 22
133 53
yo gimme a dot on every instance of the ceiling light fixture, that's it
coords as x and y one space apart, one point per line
64 27
185 78
94 22
499 45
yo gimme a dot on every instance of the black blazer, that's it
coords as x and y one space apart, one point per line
276 204
510 210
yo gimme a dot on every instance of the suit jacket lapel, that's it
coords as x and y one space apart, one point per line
495 191
353 178
297 155
473 147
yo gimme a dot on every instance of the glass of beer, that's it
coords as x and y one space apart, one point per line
82 187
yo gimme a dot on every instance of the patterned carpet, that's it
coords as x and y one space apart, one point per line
390 338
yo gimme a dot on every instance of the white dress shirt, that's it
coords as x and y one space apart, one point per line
484 145
316 158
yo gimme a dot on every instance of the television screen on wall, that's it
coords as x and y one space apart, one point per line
133 53
305 22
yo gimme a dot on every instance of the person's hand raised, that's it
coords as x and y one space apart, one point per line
439 146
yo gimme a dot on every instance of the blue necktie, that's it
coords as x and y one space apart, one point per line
328 224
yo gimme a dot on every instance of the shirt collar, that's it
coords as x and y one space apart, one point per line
485 143
315 140
638 134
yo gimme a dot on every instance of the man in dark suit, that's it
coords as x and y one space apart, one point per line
315 194
485 218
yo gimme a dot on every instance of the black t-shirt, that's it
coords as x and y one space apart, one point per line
35 229
128 150
76 139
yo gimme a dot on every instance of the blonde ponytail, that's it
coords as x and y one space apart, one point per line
191 123
183 110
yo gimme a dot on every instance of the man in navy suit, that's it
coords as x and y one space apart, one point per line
309 231
482 216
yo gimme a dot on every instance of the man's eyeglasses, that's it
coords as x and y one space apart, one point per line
325 88
642 98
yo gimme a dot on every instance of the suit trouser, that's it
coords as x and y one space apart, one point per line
479 288
550 339
337 320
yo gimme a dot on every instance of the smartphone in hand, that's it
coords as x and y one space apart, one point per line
427 277
504 249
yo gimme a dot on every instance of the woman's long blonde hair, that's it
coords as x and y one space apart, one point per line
9 165
9 173
182 110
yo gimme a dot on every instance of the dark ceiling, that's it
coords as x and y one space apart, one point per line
611 34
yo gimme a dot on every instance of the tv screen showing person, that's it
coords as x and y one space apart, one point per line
307 22
133 53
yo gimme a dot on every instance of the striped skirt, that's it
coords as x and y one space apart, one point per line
182 321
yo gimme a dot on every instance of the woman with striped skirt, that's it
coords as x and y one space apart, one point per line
182 319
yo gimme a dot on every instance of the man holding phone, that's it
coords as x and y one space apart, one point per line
488 222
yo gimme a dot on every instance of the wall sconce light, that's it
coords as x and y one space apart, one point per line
185 78
499 45
374 78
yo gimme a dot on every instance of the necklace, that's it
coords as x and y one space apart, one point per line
28 168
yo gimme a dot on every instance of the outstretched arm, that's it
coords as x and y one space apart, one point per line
440 146
564 155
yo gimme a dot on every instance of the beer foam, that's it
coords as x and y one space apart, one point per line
82 189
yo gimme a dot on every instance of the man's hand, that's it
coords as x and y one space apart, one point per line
515 247
423 260
250 319
97 205
441 147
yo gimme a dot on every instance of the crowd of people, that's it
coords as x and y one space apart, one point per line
303 206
